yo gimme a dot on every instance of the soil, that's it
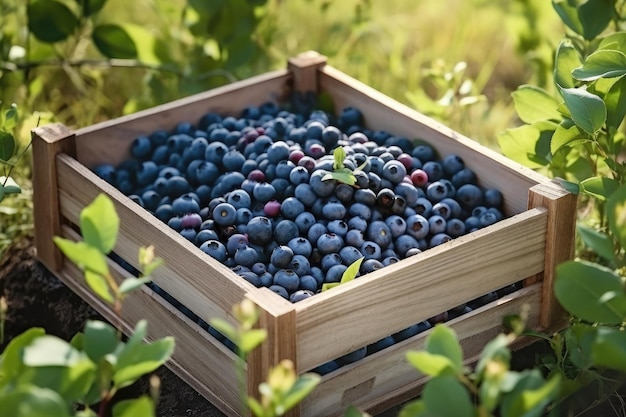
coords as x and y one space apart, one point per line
36 298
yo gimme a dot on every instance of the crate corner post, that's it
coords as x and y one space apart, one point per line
48 141
304 67
561 207
278 318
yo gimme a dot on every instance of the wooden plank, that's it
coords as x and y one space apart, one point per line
383 113
305 68
385 379
48 142
422 286
212 365
278 318
204 285
110 141
560 240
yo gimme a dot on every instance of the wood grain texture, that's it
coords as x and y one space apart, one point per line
212 365
305 69
48 142
390 299
278 318
204 285
560 238
394 379
110 141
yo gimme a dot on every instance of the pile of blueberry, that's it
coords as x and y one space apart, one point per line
268 194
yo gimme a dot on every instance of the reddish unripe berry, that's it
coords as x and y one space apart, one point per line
419 177
406 160
272 208
295 156
256 175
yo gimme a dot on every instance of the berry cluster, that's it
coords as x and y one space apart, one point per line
289 197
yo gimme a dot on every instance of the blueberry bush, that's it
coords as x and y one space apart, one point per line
574 132
44 375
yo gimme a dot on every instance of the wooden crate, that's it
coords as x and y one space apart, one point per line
537 234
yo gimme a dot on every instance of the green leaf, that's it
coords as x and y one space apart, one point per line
496 349
609 349
11 364
329 285
534 104
131 284
255 407
99 339
414 409
568 13
615 101
90 7
599 242
114 42
251 339
443 341
527 145
567 134
136 407
595 16
7 145
431 364
437 396
579 340
588 110
351 271
339 155
615 41
305 384
344 177
32 401
601 64
567 58
9 186
616 214
85 256
580 287
50 20
99 285
530 396
572 187
99 224
137 360
54 363
599 187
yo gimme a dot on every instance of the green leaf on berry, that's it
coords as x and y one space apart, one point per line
351 272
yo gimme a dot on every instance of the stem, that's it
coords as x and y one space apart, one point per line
12 166
108 63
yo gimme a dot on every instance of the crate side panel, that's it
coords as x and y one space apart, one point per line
383 113
422 286
202 284
385 379
212 365
109 142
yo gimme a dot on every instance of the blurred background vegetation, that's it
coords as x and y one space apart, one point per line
84 61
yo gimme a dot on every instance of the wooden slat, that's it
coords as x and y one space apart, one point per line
204 285
48 142
212 365
278 318
560 236
385 379
110 141
395 297
305 68
383 113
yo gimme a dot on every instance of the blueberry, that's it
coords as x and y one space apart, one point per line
488 218
329 242
246 256
365 196
207 173
204 234
281 256
464 176
352 357
323 188
291 207
380 345
404 243
433 170
141 148
300 246
469 196
300 295
438 239
280 290
335 273
264 192
260 230
380 233
371 265
418 226
300 265
396 224
309 282
215 151
394 171
224 214
424 152
442 209
215 249
455 227
355 237
284 231
349 255
326 368
452 164
287 279
370 250
436 191
493 197
185 204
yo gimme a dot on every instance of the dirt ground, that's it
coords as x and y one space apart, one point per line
37 298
